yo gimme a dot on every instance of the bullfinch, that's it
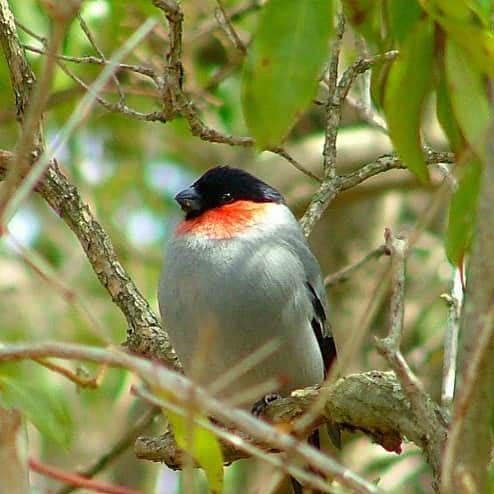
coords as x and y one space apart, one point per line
239 269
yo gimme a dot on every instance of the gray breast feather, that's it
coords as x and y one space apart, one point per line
243 293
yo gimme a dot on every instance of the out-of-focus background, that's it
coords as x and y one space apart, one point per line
128 171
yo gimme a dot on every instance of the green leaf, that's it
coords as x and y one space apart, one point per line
379 76
406 88
462 212
283 66
445 114
402 16
46 410
364 16
202 445
469 100
466 23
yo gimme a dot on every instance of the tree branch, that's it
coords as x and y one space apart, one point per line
422 408
14 477
145 334
470 440
372 402
179 389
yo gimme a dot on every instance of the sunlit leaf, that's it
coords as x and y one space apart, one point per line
466 23
202 445
469 100
402 16
406 88
46 410
283 66
462 212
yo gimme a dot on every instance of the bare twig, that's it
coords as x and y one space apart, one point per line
359 67
344 274
93 43
333 105
21 75
235 13
284 154
175 101
78 480
421 404
119 107
337 93
140 69
329 189
117 449
227 26
367 114
81 379
37 170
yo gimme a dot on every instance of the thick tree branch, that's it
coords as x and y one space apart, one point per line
179 389
21 75
145 334
372 402
469 443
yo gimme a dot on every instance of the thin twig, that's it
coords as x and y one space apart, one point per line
119 107
337 93
122 445
178 388
389 347
333 105
37 170
235 13
284 154
93 43
78 480
227 26
344 274
81 379
140 69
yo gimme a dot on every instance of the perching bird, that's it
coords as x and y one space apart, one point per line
239 270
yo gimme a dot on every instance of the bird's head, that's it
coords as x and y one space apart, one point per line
225 200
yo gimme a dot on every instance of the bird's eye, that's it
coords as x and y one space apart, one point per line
226 198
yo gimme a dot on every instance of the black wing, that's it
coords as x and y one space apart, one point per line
319 325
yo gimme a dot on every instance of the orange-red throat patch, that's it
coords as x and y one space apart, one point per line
227 221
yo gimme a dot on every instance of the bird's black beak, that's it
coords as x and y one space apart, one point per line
189 200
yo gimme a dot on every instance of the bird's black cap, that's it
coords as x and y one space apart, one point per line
222 185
